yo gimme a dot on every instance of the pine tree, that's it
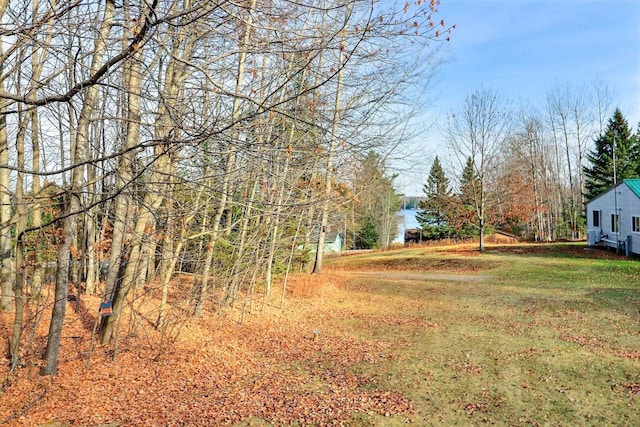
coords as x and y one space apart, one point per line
600 173
436 210
634 157
466 210
367 237
378 200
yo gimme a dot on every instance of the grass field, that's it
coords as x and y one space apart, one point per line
519 335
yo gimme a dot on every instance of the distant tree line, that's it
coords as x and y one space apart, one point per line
527 173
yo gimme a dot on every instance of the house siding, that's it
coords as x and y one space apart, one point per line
335 246
334 242
628 205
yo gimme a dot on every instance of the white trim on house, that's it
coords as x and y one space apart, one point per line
624 202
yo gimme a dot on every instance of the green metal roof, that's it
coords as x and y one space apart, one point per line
634 185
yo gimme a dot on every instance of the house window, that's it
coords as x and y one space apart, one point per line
596 218
635 224
615 223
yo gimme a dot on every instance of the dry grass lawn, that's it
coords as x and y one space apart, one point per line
519 335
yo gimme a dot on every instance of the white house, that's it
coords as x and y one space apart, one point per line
333 242
613 218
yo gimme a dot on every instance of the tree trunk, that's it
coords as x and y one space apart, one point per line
21 225
38 269
7 275
333 142
115 286
171 252
74 206
230 163
60 300
37 64
93 217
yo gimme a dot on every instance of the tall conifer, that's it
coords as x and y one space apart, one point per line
436 209
599 173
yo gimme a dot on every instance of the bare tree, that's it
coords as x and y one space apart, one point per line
603 100
477 131
333 142
79 156
124 173
527 163
6 272
171 135
573 115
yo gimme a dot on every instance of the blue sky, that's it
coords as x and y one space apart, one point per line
523 48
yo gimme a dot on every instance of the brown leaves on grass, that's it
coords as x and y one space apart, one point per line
466 367
572 249
486 402
632 388
452 265
307 344
389 320
476 406
458 259
600 346
307 285
217 373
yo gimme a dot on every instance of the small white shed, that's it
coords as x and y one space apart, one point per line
613 218
333 242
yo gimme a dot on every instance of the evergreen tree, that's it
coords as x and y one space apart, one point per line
599 175
469 184
634 157
436 210
377 201
466 212
367 237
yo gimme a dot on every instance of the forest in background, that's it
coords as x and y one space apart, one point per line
524 170
225 140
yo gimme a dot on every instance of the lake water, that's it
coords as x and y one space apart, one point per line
407 221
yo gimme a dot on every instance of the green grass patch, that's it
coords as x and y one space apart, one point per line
546 335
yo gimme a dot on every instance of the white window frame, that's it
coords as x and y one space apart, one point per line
635 223
596 214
